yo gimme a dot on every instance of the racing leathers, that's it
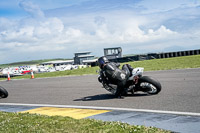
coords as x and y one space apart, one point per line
117 76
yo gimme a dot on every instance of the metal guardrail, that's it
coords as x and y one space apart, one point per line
177 54
156 56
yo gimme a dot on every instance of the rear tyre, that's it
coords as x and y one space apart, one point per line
149 85
3 92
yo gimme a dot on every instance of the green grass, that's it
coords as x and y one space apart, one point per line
16 122
149 65
169 63
26 123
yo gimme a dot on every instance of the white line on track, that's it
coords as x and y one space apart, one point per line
106 108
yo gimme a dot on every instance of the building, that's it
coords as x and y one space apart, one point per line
83 58
113 53
58 62
92 62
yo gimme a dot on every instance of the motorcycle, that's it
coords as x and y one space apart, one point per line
3 92
136 82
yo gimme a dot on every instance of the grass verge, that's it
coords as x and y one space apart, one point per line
25 123
149 65
169 63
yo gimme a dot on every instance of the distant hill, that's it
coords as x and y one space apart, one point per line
33 62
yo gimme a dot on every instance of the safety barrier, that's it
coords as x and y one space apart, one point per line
32 74
156 56
177 54
8 77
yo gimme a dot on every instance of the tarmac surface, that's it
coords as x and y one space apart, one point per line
176 107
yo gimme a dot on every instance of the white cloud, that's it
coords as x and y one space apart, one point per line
163 6
33 9
62 36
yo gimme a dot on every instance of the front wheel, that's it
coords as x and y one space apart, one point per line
149 85
3 92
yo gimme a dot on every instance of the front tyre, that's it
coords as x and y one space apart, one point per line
3 92
149 85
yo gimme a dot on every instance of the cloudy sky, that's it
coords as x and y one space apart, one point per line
46 29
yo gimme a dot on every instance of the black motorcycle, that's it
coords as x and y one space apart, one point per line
3 92
135 83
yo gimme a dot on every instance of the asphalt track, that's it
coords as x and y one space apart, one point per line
177 104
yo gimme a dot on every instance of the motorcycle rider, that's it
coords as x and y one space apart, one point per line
115 75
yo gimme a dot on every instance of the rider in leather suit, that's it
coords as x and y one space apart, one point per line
115 75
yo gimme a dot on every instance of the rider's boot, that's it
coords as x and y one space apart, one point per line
130 68
120 96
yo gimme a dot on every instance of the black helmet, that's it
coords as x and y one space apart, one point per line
102 60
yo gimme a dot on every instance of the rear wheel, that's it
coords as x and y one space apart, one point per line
149 85
3 92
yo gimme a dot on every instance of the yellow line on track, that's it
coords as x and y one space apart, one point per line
71 112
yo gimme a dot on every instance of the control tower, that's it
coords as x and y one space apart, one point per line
112 53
